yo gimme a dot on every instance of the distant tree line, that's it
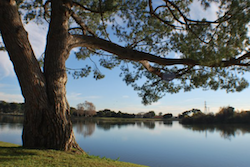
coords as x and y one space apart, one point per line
86 109
225 115
11 108
109 113
119 114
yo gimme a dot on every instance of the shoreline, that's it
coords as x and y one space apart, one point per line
111 119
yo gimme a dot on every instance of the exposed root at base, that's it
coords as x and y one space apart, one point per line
76 148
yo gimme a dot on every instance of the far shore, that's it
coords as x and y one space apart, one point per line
104 118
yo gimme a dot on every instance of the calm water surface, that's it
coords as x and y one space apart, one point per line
156 144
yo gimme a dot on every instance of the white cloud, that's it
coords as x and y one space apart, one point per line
177 55
125 96
6 67
156 103
11 97
92 97
37 37
198 12
74 96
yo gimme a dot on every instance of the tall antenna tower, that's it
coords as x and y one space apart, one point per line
205 107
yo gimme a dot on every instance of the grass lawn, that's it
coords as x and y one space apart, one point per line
14 155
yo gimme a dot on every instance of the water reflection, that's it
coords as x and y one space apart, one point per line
87 127
11 122
154 143
84 127
168 123
227 131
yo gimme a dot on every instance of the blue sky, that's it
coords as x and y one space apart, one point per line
111 92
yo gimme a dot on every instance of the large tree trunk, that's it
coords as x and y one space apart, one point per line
56 54
47 121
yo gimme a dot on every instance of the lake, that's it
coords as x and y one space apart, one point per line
154 143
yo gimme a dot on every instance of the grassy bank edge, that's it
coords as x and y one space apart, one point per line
15 155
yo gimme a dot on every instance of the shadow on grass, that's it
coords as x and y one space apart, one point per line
14 153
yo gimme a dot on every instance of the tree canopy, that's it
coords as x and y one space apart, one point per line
141 36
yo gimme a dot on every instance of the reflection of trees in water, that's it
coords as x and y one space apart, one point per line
84 127
226 131
149 124
168 123
87 126
12 122
11 119
107 125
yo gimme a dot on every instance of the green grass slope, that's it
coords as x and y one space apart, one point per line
14 155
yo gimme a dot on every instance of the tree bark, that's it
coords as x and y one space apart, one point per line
56 54
47 121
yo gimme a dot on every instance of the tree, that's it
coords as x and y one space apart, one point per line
149 114
168 115
80 109
212 53
90 109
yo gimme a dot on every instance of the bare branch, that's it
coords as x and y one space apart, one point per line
81 24
152 12
219 20
75 28
102 18
85 8
46 13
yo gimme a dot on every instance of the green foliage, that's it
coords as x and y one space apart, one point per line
225 115
161 31
31 10
109 113
190 112
168 115
12 108
149 114
226 131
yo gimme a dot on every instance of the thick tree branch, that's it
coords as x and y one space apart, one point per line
134 55
124 52
151 69
243 57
